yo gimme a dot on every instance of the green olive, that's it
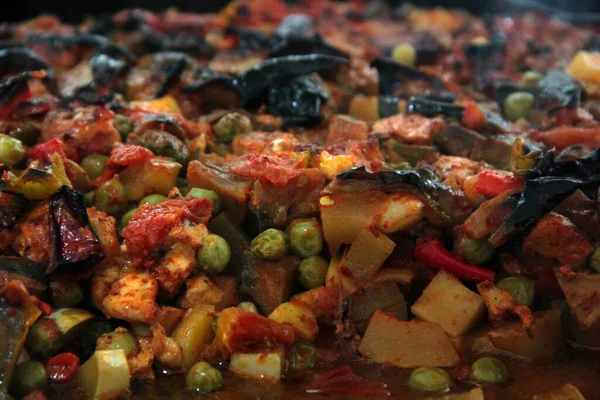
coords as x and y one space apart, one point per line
521 288
207 194
126 217
11 151
164 144
489 370
111 197
28 133
302 356
518 105
94 165
248 306
123 125
271 244
312 271
214 254
428 379
306 238
595 258
405 53
152 199
231 125
28 376
531 78
203 378
474 251
118 339
66 294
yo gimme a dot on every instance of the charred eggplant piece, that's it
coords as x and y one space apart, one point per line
249 38
24 267
298 45
431 108
76 248
393 74
105 71
97 43
16 89
557 90
11 206
17 314
298 101
298 25
20 59
171 70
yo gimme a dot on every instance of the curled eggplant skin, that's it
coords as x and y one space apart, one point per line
300 45
431 108
98 43
15 87
23 266
172 71
20 59
391 73
76 248
106 69
557 90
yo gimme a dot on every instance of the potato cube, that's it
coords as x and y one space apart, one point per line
543 340
300 317
157 175
194 333
105 375
447 302
407 344
258 365
400 211
367 254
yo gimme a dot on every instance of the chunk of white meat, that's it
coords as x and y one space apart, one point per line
140 363
166 351
102 282
132 298
175 267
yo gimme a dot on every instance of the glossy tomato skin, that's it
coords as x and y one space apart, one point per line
62 368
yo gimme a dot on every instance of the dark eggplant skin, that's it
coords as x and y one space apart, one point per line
557 90
171 70
431 108
391 73
20 59
75 247
105 71
298 101
15 86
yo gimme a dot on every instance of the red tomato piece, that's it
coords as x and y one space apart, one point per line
491 183
62 368
129 154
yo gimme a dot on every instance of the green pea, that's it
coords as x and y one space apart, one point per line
123 125
531 78
271 244
248 306
474 251
28 376
595 258
88 198
11 151
214 255
489 370
111 197
306 238
207 194
312 271
231 125
94 165
28 133
152 199
66 294
203 378
428 379
126 217
521 288
518 105
118 339
302 356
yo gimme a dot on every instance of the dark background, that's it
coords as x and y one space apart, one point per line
74 10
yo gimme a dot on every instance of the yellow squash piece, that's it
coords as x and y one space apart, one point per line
258 365
300 317
194 333
400 211
585 67
166 104
447 302
407 344
157 175
105 375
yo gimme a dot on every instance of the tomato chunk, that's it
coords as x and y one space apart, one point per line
62 368
129 154
492 183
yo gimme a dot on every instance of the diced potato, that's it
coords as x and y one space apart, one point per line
585 67
345 215
132 298
565 392
175 267
220 291
542 341
582 292
473 394
385 297
335 278
331 165
300 317
258 365
166 104
400 211
105 375
367 254
407 344
157 175
447 302
194 333
343 128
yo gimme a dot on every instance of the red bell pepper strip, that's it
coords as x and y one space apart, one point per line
62 368
473 117
432 253
492 183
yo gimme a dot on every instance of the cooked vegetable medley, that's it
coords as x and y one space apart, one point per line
300 199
